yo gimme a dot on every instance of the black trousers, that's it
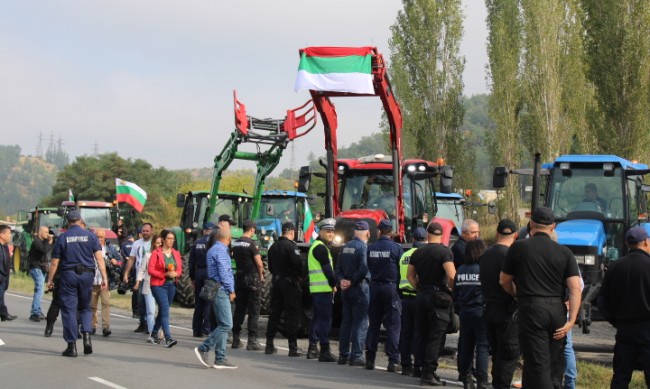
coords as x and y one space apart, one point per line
502 328
631 350
433 324
247 302
55 305
544 360
203 321
285 301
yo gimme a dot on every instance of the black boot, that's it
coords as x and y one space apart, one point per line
325 354
482 384
49 327
270 348
312 351
294 350
88 346
236 342
253 344
71 351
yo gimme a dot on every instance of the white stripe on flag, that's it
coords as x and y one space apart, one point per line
335 82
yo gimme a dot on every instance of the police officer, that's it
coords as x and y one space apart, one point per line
542 269
286 267
353 276
75 255
322 286
500 307
385 306
248 286
624 302
430 270
409 337
198 271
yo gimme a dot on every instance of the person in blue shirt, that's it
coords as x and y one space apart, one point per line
385 305
75 255
352 276
219 270
198 270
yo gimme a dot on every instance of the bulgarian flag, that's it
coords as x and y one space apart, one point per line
336 69
128 192
70 196
308 227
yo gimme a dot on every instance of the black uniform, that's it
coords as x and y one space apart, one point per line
286 267
433 301
540 268
248 287
625 302
198 270
499 317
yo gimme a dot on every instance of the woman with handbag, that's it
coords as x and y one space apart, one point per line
165 267
144 279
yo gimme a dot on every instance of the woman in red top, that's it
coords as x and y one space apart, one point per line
165 267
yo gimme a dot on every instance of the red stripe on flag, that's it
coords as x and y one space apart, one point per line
127 198
336 51
309 232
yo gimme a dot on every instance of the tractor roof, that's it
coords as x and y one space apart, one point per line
586 158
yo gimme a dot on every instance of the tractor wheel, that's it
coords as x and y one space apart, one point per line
265 299
184 288
16 260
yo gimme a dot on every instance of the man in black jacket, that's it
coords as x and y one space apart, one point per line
624 302
286 266
38 264
5 238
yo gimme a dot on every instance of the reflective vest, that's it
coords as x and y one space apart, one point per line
404 285
317 281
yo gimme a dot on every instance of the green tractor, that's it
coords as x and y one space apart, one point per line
36 218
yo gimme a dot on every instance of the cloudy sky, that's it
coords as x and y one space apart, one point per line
154 79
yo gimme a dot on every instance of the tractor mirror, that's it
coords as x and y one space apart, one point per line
180 200
304 179
499 177
492 207
60 211
446 179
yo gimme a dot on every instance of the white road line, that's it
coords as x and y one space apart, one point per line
107 383
2 343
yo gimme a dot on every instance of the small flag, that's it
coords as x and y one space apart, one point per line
336 69
130 193
70 196
308 227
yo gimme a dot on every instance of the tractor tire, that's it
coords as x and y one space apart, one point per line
265 298
184 288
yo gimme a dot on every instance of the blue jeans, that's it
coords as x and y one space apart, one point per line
354 326
570 371
39 282
473 334
218 337
164 295
150 304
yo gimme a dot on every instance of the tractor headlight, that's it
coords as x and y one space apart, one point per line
590 260
338 240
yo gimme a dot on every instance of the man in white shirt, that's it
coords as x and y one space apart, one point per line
140 248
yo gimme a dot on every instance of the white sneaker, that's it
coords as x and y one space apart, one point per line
153 340
203 356
223 364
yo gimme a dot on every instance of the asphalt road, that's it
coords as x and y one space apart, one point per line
125 360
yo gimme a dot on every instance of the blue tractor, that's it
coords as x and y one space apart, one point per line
595 199
278 207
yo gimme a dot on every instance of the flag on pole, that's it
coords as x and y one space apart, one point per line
130 193
70 196
308 227
336 69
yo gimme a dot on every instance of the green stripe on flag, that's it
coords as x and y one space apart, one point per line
348 64
131 191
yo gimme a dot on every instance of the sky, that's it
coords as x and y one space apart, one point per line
154 79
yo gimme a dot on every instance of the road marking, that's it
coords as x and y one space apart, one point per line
2 343
107 383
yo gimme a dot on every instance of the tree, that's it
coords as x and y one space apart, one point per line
426 71
618 57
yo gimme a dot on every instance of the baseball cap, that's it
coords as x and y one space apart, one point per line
288 226
543 215
248 224
226 218
636 235
73 215
420 234
434 229
385 225
208 226
327 224
130 236
506 227
361 225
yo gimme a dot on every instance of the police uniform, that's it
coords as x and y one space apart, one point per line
321 286
198 271
540 267
409 338
285 264
385 306
624 302
76 250
352 266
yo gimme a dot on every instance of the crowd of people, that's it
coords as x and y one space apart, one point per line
518 298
